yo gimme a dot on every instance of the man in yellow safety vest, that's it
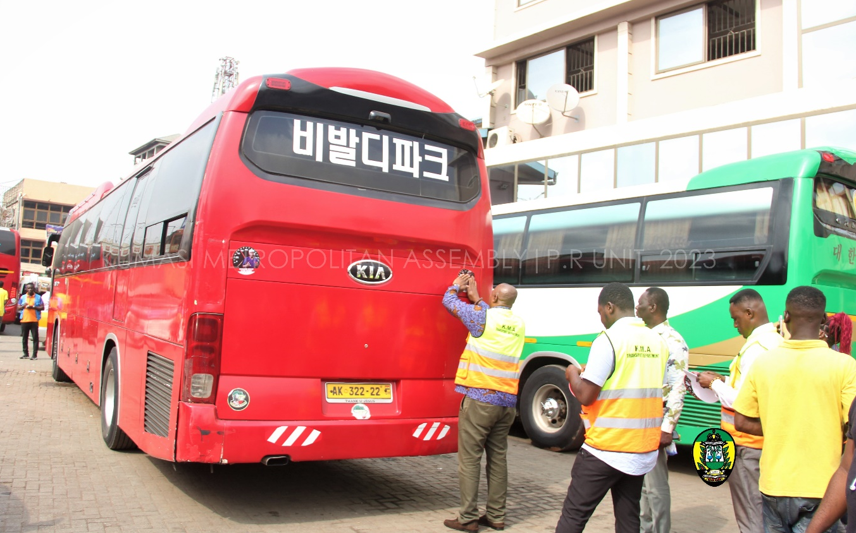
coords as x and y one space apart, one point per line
622 390
750 318
487 376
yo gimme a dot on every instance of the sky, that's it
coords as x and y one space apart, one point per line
85 82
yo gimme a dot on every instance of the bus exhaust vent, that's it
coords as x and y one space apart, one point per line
159 374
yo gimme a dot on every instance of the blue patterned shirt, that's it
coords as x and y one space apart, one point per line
474 317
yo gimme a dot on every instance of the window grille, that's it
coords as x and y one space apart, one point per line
730 28
580 68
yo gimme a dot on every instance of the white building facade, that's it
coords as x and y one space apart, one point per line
668 88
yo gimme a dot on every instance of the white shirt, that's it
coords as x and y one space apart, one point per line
762 339
601 362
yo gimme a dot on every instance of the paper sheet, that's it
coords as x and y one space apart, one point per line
694 388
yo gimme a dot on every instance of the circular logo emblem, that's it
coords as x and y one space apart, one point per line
238 399
713 456
360 411
246 260
369 272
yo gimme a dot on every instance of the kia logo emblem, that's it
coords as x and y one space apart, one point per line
369 272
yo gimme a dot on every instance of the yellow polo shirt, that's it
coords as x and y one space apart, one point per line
802 393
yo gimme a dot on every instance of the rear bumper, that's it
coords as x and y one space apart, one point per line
203 438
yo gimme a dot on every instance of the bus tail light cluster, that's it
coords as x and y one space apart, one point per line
202 359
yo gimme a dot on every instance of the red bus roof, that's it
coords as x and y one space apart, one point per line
90 200
243 97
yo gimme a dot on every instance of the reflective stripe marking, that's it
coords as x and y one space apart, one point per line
491 355
631 394
495 373
277 434
431 431
628 423
294 436
728 418
311 438
462 364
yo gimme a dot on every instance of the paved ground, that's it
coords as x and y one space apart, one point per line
57 475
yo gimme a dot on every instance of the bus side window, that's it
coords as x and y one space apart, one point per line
90 225
693 238
131 220
508 241
153 241
588 245
111 233
174 195
97 250
64 252
174 236
138 240
834 197
77 245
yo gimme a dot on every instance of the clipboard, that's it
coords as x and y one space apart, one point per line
694 388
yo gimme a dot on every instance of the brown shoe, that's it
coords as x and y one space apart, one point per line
457 526
485 521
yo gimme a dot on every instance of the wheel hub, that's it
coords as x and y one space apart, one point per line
550 408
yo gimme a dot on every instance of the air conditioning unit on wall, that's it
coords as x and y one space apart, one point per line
501 137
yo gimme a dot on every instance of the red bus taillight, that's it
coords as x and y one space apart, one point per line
202 359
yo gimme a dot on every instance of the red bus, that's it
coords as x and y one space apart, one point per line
10 272
268 288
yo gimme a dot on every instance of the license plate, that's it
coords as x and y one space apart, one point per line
359 392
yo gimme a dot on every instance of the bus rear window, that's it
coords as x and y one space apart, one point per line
360 156
7 243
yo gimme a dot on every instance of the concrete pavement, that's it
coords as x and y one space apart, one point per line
56 474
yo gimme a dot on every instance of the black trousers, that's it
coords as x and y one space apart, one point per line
27 329
591 478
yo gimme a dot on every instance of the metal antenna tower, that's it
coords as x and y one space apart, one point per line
226 77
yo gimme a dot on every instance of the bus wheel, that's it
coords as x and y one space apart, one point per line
549 412
114 437
56 371
2 327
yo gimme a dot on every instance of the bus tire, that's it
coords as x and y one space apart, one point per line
549 412
114 437
56 372
2 327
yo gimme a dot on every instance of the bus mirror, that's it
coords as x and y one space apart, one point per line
47 256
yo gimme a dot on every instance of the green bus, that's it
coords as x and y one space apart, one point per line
771 223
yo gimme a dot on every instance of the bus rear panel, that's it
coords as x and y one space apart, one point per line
294 313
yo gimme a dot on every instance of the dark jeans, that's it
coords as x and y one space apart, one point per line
789 515
28 329
591 478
